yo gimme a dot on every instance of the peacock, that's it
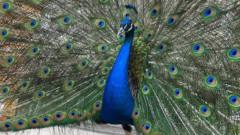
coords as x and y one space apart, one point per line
162 67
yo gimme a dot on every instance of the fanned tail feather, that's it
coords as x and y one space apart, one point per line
56 56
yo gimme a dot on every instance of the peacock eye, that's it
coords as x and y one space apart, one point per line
45 70
25 84
35 50
5 89
136 114
145 90
101 82
161 47
40 94
69 83
73 113
210 13
20 123
204 111
10 59
177 92
98 105
45 119
207 12
59 116
5 5
105 70
233 52
82 64
66 19
103 48
7 125
172 68
149 35
196 47
34 121
147 128
210 79
33 22
154 12
101 24
68 46
148 74
4 32
171 21
233 55
233 99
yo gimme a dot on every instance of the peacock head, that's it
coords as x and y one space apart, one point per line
127 23
126 27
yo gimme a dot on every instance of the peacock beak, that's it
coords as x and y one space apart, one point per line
120 32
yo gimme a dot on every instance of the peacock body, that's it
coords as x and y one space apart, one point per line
165 67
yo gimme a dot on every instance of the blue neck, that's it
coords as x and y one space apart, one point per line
118 102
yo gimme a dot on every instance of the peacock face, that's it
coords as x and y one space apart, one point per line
126 26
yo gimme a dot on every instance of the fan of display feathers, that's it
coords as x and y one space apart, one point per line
165 67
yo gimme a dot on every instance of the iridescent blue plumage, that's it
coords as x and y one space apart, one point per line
118 102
